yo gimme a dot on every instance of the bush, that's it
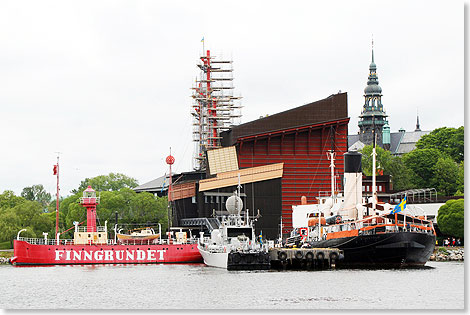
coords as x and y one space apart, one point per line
450 218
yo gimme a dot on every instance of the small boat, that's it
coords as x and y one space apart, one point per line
140 234
233 246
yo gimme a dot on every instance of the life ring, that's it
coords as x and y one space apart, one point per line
236 258
320 256
260 257
249 259
338 219
282 255
333 256
298 254
309 256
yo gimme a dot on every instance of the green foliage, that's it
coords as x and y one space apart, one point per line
421 163
110 182
449 141
8 199
27 215
401 175
6 245
383 159
37 193
391 165
450 218
460 180
446 176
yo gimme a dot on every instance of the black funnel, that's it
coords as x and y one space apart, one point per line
352 162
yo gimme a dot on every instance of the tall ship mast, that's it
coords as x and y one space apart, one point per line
215 107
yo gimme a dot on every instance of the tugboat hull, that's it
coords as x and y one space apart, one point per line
400 249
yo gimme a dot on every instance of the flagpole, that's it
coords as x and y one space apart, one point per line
374 187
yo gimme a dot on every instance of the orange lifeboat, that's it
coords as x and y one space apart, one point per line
314 221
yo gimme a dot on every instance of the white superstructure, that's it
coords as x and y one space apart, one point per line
236 234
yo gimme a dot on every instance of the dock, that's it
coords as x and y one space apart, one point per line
305 258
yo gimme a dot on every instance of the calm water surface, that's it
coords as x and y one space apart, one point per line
200 287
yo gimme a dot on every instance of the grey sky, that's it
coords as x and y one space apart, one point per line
107 83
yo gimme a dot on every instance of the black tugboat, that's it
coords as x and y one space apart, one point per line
370 234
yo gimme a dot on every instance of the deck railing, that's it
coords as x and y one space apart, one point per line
88 229
367 227
42 241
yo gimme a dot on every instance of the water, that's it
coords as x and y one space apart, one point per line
440 286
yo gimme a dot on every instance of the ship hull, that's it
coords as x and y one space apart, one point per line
31 254
401 249
211 259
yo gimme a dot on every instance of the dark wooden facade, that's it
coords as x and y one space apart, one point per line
300 138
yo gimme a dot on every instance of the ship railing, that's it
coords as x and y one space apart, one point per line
367 227
42 241
157 242
88 229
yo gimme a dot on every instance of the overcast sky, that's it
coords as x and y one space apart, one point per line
107 83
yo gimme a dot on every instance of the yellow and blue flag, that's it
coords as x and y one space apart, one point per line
202 40
399 207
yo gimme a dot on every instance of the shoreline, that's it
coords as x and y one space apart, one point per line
441 253
448 253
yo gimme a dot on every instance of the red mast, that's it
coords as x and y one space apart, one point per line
170 160
56 172
214 109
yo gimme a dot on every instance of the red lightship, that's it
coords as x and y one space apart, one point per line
90 244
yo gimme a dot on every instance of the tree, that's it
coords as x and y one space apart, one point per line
8 199
383 159
110 182
401 175
460 180
421 163
449 141
450 218
37 193
446 176
391 165
27 215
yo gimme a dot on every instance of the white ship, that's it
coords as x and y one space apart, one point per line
233 245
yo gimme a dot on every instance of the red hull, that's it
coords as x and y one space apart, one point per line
29 254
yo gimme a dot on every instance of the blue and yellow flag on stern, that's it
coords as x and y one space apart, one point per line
399 207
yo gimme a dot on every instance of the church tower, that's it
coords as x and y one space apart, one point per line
372 116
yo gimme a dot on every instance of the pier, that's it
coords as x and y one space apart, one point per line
305 258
